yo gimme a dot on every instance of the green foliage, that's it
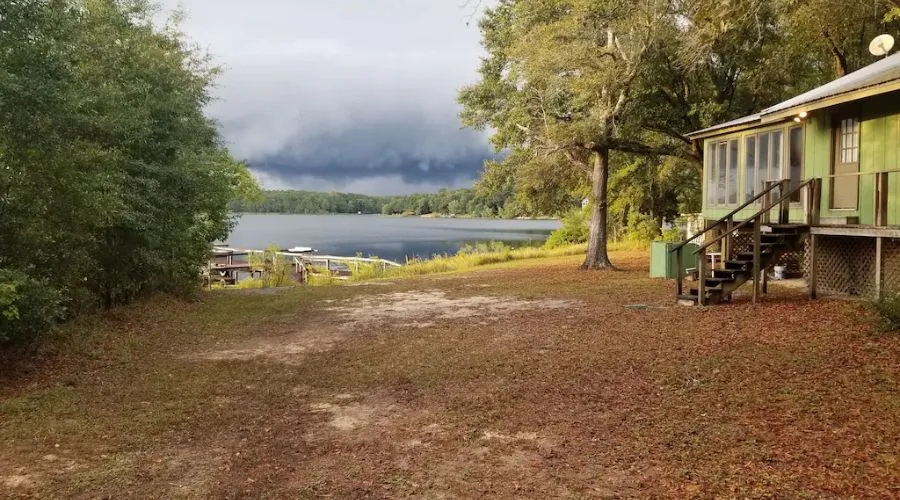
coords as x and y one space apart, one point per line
462 202
274 269
671 235
642 228
27 306
574 230
888 309
113 182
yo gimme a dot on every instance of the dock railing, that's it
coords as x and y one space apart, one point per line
298 259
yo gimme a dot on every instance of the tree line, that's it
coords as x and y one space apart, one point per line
113 182
594 97
462 202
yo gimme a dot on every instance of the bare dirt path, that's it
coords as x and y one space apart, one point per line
531 380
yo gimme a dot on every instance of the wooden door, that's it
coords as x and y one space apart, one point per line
844 166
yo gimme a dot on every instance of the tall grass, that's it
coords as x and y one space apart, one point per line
468 257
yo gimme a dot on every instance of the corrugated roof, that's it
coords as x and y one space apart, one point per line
878 73
883 71
733 123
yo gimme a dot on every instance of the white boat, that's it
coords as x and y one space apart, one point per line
300 250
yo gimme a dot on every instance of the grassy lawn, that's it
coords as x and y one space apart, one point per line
524 379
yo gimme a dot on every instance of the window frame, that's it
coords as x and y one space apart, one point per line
774 137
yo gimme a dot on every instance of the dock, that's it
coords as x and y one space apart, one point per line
227 264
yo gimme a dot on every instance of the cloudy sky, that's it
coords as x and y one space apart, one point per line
347 95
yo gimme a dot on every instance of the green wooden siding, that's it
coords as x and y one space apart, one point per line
879 151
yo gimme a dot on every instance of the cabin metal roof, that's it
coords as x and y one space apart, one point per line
746 120
884 73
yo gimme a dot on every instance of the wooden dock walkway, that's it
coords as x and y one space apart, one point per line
227 263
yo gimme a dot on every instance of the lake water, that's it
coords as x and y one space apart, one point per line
393 238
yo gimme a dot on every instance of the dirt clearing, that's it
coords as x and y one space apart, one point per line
530 380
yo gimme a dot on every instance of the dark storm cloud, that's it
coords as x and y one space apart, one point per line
344 94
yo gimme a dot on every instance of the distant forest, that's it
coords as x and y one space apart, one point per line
467 202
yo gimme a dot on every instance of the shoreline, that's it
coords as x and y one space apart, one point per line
405 216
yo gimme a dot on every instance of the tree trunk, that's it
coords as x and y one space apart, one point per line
840 60
597 257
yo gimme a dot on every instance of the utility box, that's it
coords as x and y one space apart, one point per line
662 260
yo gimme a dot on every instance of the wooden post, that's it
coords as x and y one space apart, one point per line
811 278
701 276
878 267
881 193
784 214
807 203
679 273
328 265
765 282
767 199
817 202
726 250
757 243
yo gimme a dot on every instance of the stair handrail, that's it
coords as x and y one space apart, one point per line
781 199
725 218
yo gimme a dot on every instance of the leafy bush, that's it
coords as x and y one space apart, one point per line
641 228
27 306
275 270
671 235
573 232
888 308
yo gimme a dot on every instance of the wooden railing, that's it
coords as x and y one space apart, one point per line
812 189
728 220
880 192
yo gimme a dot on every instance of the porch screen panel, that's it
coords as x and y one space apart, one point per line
733 172
795 146
775 173
762 162
710 174
750 168
721 166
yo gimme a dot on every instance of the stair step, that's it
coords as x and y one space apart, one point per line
743 265
709 292
727 273
713 282
785 228
749 256
777 237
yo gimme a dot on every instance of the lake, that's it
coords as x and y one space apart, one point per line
394 238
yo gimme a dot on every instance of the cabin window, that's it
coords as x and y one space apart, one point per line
849 140
710 174
722 162
777 148
733 172
795 161
723 165
762 162
750 168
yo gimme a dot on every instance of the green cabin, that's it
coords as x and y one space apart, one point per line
812 185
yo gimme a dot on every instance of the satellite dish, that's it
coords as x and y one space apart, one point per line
881 45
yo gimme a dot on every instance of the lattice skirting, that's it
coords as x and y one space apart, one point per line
846 265
794 262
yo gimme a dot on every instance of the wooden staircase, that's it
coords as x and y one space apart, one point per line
770 242
775 241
